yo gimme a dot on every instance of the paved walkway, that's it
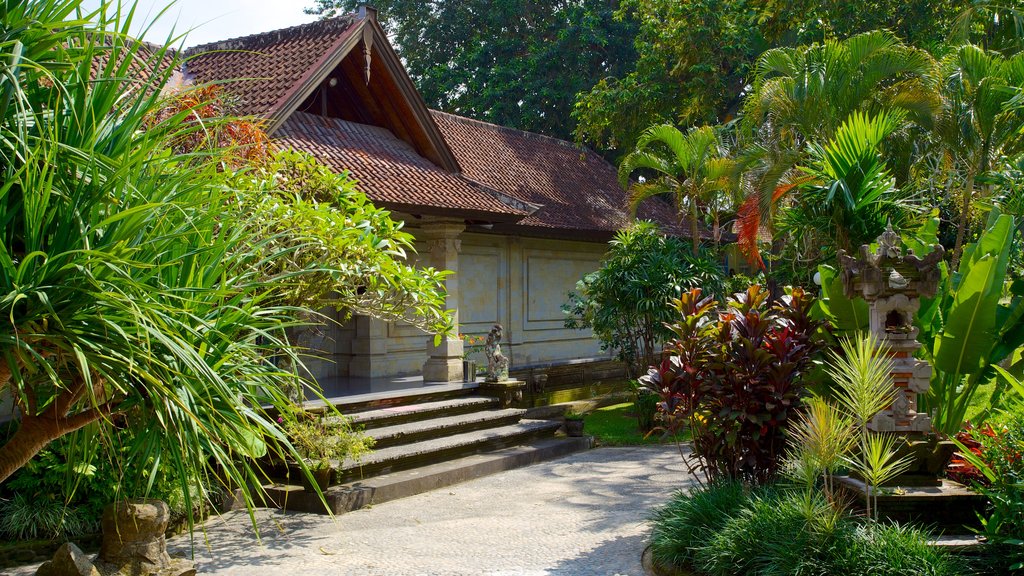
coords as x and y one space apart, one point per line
580 515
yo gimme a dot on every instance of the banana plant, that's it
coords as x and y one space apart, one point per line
975 322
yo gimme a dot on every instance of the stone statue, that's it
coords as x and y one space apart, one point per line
497 363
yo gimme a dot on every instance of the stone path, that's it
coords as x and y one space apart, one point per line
581 515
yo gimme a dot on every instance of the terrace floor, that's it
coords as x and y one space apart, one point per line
583 514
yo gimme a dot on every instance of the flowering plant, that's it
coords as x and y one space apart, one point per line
320 439
471 344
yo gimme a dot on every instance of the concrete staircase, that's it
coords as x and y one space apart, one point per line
433 437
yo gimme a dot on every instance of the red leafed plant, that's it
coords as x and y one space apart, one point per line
735 378
959 468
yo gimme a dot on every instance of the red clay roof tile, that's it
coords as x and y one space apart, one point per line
578 189
389 170
262 70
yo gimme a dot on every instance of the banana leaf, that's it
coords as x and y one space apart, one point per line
847 315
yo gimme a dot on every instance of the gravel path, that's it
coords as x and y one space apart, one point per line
581 515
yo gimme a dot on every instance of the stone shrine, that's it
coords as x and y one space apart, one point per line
892 283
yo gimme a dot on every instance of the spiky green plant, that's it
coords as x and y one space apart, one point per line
132 283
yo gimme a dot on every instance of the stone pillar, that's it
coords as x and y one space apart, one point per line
442 239
369 348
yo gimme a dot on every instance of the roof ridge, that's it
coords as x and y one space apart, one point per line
338 23
517 131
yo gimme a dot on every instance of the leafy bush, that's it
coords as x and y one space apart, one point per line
1003 457
735 378
322 439
61 493
26 517
726 529
646 407
693 518
625 303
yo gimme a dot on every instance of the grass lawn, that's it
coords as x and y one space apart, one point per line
616 426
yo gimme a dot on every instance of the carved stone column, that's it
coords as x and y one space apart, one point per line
443 245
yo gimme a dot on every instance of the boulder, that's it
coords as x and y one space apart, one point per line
134 543
68 560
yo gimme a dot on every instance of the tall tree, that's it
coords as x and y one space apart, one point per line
517 63
695 58
690 168
802 95
141 278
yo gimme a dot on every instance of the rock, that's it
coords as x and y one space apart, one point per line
134 542
68 560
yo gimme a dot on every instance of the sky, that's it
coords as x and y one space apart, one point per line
211 20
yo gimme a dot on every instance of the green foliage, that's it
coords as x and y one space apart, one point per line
352 256
831 434
321 440
150 287
971 326
625 303
848 196
61 493
517 63
1002 462
689 168
694 59
691 519
735 377
847 316
725 529
26 518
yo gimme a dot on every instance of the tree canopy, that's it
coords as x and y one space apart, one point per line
695 59
517 63
150 271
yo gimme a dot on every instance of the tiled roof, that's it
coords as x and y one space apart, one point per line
389 170
578 189
266 68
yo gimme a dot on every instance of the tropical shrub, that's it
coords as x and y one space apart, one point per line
735 377
975 322
319 439
139 286
833 434
725 529
1001 462
625 302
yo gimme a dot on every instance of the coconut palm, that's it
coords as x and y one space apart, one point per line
143 285
803 95
691 168
980 124
848 196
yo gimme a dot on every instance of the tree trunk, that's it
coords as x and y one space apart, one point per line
33 434
694 230
961 229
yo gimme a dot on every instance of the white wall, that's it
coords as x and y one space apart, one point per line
517 282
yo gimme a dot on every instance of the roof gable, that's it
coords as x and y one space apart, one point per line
306 67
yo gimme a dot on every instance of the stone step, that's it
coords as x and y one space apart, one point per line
380 489
403 397
392 415
416 431
407 456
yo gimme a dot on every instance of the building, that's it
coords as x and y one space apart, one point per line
518 217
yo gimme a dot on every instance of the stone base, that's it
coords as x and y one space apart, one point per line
508 392
443 370
950 506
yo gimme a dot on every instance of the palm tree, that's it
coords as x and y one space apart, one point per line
691 168
803 95
151 285
980 124
848 195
